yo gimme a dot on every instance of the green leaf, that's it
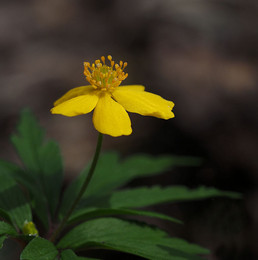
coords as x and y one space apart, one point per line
42 249
7 229
2 239
5 216
112 173
147 196
43 164
38 202
39 249
16 172
129 237
52 171
70 255
27 140
13 201
89 213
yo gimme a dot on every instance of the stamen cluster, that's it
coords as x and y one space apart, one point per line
104 77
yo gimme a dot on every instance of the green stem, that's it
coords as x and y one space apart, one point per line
83 188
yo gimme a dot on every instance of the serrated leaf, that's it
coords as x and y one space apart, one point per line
70 255
147 196
112 173
42 161
39 249
13 201
37 201
89 213
7 229
129 237
51 167
27 140
17 173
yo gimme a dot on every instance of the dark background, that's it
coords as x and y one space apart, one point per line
201 54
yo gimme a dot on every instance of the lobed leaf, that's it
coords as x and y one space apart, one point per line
52 171
129 237
17 173
13 201
37 201
111 173
42 160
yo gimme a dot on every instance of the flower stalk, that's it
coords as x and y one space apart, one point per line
82 191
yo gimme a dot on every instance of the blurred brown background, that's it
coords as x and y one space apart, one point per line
202 54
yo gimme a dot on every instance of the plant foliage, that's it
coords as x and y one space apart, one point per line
104 217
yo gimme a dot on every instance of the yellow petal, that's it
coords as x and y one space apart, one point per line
75 92
144 103
132 87
110 117
77 105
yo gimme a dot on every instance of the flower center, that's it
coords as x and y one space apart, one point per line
104 77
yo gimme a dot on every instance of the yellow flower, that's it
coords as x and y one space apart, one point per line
30 229
109 100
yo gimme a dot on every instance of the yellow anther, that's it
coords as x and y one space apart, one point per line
103 59
104 77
